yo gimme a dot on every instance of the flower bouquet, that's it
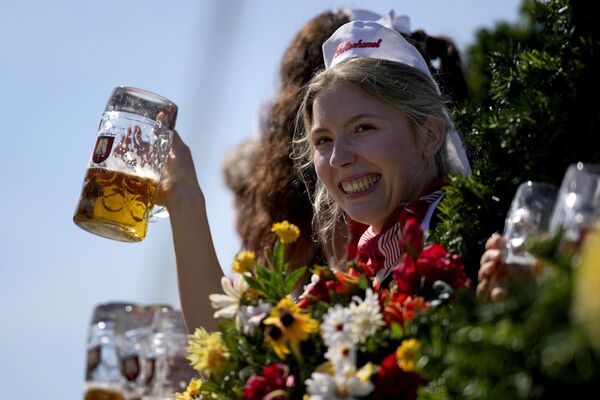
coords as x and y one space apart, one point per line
343 338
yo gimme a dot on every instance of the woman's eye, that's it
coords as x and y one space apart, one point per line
363 128
321 140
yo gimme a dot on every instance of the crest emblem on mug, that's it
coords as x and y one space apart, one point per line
102 148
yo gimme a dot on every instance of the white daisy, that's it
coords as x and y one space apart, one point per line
366 316
337 325
321 386
359 384
343 357
228 304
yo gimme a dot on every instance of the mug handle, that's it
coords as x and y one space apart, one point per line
158 213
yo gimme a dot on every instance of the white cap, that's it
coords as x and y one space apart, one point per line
370 39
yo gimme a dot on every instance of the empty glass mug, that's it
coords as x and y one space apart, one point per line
121 182
529 215
103 374
578 203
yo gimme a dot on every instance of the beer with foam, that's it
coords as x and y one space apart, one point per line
116 205
121 181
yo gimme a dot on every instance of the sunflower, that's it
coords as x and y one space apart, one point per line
288 324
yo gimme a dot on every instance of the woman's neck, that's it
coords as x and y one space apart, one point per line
420 187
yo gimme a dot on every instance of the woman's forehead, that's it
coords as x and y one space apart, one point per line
345 101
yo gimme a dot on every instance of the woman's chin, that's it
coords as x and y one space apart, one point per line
367 217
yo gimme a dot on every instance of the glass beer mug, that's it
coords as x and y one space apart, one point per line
103 374
123 174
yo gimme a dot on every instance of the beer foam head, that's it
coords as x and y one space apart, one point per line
370 39
116 164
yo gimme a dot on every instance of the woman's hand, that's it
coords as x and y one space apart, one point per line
495 273
492 270
179 183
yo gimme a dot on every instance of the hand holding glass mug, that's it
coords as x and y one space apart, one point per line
506 255
124 171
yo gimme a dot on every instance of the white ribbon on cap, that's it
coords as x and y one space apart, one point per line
399 23
370 39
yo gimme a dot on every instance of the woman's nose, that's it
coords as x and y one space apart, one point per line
342 154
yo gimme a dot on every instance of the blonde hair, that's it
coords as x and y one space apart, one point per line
401 86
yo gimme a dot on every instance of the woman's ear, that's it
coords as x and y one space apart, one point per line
434 134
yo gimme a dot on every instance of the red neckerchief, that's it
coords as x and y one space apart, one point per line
382 250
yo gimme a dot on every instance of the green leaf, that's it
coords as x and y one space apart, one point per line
397 331
254 284
292 279
262 273
278 256
363 282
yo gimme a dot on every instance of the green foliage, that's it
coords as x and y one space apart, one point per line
526 347
274 282
537 112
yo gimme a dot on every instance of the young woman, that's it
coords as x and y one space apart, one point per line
273 191
376 132
399 163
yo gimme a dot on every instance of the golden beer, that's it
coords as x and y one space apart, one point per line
103 394
115 205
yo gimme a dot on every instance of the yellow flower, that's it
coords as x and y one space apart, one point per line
182 396
287 233
207 352
406 354
194 386
191 392
586 302
288 324
244 261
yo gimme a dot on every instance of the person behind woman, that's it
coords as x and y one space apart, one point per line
237 170
274 192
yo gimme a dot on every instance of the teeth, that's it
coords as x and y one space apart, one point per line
359 185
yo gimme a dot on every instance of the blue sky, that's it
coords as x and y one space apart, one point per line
59 61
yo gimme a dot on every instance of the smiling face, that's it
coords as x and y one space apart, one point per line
366 153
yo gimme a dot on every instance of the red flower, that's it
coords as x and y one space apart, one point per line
412 237
330 282
360 266
405 275
274 377
318 291
434 263
394 383
400 308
